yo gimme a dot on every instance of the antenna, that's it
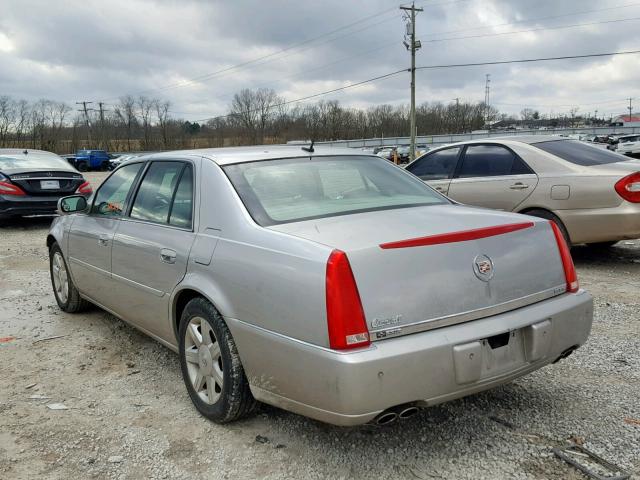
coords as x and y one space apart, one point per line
309 148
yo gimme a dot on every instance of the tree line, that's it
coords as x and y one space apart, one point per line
254 117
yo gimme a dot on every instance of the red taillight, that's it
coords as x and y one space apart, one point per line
629 187
345 316
7 188
567 262
85 188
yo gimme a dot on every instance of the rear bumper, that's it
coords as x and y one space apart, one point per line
424 368
29 205
592 225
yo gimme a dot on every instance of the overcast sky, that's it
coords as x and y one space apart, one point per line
72 50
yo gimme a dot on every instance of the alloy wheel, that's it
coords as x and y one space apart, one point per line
204 360
60 277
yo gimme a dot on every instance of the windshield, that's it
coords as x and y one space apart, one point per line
580 153
33 160
291 190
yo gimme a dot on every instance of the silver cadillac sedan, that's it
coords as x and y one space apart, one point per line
326 282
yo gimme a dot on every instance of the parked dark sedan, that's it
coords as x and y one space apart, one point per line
32 181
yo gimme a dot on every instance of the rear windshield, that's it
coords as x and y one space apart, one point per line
291 190
580 153
33 160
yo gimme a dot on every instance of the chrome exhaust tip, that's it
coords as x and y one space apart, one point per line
386 418
566 353
408 412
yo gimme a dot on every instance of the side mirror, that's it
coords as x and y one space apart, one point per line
72 204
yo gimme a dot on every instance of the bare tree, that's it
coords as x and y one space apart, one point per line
145 107
7 118
162 112
125 111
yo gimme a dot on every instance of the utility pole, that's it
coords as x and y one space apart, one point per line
412 46
86 119
630 107
457 114
487 89
103 142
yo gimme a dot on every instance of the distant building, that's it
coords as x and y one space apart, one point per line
626 121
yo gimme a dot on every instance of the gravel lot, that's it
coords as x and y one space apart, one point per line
129 415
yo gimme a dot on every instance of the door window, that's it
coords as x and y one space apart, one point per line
154 197
437 165
490 161
112 195
182 207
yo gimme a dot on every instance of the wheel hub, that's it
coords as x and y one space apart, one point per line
205 360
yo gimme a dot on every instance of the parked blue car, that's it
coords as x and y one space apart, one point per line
91 160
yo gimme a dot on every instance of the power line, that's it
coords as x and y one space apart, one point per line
270 57
527 20
457 65
528 60
385 46
556 27
334 90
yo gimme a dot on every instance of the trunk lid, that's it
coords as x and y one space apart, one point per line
416 288
47 183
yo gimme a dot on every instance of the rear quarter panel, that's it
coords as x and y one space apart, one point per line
264 278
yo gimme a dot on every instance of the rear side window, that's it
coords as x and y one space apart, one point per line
438 165
154 197
182 207
491 161
580 153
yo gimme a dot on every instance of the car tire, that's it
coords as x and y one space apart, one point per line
601 245
82 166
210 364
66 293
550 216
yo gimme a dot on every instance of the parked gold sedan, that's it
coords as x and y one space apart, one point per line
592 194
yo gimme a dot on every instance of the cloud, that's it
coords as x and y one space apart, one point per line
183 51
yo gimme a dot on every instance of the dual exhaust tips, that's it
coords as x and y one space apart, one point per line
392 414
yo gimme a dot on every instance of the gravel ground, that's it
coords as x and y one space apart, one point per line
128 414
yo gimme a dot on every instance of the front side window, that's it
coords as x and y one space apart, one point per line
438 165
112 195
491 161
296 189
154 197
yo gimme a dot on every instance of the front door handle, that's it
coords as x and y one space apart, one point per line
167 255
519 186
440 189
103 240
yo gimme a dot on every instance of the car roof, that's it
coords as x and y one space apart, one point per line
230 155
528 139
30 151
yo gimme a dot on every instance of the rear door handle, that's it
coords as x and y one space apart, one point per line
519 186
103 240
167 255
